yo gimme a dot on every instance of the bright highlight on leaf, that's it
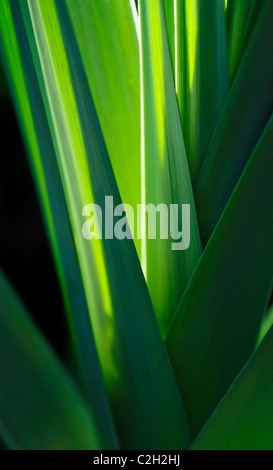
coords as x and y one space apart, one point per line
106 35
167 178
201 73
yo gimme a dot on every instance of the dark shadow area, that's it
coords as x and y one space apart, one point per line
24 249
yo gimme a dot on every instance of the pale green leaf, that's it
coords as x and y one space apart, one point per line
107 36
201 73
165 168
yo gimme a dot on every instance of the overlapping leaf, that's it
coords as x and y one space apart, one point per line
245 114
244 418
169 17
266 324
165 167
43 161
40 408
106 33
145 401
217 322
201 71
75 79
241 19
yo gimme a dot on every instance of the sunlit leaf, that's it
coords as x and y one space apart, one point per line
169 17
265 325
107 36
45 169
135 365
201 71
165 167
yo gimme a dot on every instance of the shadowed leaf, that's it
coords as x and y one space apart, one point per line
214 330
244 418
40 407
244 117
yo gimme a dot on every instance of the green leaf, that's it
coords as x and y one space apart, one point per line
135 364
165 167
201 72
35 128
265 325
40 408
217 322
106 33
245 114
244 418
169 18
241 19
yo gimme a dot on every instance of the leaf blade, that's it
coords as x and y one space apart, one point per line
244 117
167 178
207 341
34 126
132 365
241 18
201 73
102 30
66 424
246 408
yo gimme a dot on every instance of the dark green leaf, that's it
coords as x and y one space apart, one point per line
244 418
217 322
40 407
241 19
245 114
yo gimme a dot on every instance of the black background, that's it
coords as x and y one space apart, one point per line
25 254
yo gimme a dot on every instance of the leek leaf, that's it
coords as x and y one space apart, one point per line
265 325
201 71
106 33
130 349
165 167
169 18
215 331
40 408
35 128
241 20
244 418
244 117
